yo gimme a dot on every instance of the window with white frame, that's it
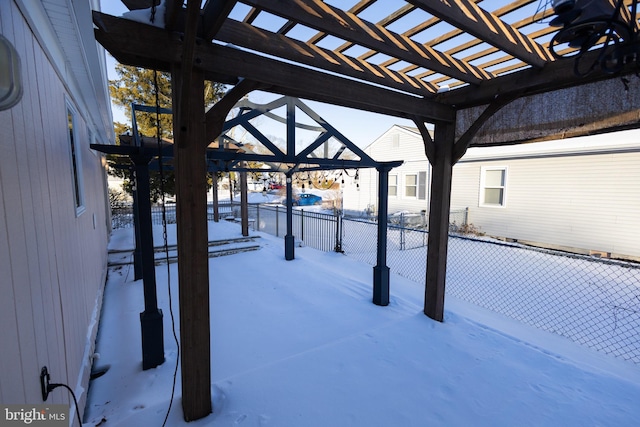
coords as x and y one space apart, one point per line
393 185
493 186
75 152
411 185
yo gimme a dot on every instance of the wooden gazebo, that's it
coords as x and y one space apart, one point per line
482 72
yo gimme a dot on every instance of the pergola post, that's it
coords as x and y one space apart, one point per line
151 317
381 270
442 163
193 262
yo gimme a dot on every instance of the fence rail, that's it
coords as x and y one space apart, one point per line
594 302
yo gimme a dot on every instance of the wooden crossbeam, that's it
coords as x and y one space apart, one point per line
214 14
474 42
345 25
136 44
357 8
388 20
469 17
245 35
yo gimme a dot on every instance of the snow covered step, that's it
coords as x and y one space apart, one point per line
217 248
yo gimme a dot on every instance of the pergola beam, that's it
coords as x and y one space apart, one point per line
469 17
137 44
214 14
245 35
321 16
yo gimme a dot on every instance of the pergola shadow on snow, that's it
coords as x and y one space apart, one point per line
483 73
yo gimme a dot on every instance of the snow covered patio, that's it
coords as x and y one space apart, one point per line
299 343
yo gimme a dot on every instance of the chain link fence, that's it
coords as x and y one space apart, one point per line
591 301
594 302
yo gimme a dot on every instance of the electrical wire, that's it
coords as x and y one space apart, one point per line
52 386
165 243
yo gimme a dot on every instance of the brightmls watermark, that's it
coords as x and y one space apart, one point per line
35 415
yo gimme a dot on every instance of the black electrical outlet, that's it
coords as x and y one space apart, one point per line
44 383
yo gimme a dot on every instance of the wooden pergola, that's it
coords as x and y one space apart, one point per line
482 72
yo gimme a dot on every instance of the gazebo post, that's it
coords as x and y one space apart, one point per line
381 270
137 255
214 195
289 239
244 202
151 317
439 206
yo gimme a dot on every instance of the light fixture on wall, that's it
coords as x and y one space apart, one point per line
596 25
10 76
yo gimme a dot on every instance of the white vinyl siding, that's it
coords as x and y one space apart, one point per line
586 202
398 143
53 264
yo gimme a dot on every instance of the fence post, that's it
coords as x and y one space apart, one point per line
277 222
402 244
256 227
338 247
302 224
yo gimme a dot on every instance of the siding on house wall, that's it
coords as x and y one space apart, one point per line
52 262
397 143
580 194
586 202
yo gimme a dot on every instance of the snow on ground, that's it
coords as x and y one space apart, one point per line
299 343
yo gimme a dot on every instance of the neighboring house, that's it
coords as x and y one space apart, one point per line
579 194
408 184
54 217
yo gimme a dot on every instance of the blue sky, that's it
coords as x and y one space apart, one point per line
360 127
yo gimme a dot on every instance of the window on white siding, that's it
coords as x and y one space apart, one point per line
76 171
493 186
411 185
422 185
393 185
